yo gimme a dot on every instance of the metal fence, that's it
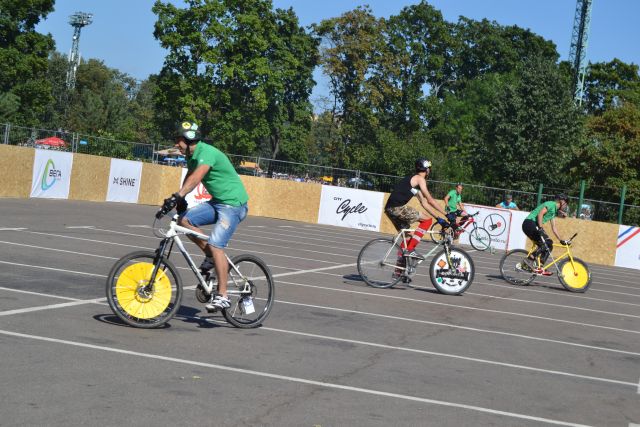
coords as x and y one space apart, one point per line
63 140
608 206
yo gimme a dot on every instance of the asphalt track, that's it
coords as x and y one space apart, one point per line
334 352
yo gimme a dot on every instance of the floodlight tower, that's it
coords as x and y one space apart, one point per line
77 21
578 51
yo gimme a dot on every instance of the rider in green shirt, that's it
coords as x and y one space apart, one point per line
532 227
226 209
454 208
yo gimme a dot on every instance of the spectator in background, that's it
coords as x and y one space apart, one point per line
508 203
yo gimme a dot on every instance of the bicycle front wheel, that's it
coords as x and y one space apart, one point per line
575 277
137 301
452 274
377 263
480 239
438 233
251 291
513 268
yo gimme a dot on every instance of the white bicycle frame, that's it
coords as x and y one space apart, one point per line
402 235
173 235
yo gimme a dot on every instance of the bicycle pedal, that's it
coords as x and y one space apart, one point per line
406 279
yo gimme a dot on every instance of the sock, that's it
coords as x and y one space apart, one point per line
423 227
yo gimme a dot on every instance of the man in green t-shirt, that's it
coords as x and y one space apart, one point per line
532 227
454 208
226 209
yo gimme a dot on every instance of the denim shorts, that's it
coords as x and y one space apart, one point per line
225 219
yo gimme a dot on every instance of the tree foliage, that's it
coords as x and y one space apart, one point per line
23 60
240 68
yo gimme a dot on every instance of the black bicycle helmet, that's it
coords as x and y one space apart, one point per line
562 196
189 131
422 165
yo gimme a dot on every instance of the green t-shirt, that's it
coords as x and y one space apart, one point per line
222 180
454 199
552 210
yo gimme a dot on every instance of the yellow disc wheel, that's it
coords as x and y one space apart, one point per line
138 301
575 277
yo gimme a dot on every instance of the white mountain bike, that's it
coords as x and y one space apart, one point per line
144 288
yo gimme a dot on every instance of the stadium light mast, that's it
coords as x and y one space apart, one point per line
578 51
77 21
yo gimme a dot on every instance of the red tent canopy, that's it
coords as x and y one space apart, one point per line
53 141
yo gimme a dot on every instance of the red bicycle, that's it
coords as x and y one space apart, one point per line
479 237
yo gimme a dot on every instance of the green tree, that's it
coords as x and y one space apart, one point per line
611 83
100 104
610 157
23 59
243 70
533 126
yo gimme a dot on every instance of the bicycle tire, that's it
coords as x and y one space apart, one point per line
377 263
576 278
135 306
438 232
255 272
480 239
452 279
512 270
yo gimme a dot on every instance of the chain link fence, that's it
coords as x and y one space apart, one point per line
598 203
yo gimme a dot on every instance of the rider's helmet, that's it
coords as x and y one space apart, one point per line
422 165
189 131
562 196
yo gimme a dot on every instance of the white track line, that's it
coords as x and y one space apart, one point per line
296 380
509 313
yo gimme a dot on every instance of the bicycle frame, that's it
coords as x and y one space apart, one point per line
173 236
554 261
402 235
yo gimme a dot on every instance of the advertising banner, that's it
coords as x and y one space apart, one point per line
348 207
51 174
124 181
495 220
198 195
628 247
517 239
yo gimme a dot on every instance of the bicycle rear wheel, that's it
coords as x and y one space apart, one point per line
439 233
455 277
513 268
251 292
135 300
574 277
480 239
377 263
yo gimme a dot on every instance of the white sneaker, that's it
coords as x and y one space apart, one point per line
218 302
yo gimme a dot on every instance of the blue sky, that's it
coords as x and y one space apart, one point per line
121 34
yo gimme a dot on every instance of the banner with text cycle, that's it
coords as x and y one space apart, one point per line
348 207
51 174
198 195
124 181
628 247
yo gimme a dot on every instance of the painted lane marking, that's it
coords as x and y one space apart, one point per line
452 326
13 229
102 301
138 226
295 379
79 226
52 306
509 313
52 269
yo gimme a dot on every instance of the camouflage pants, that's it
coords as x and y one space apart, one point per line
402 216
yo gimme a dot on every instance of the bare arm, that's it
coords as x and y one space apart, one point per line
554 229
428 202
540 216
192 179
